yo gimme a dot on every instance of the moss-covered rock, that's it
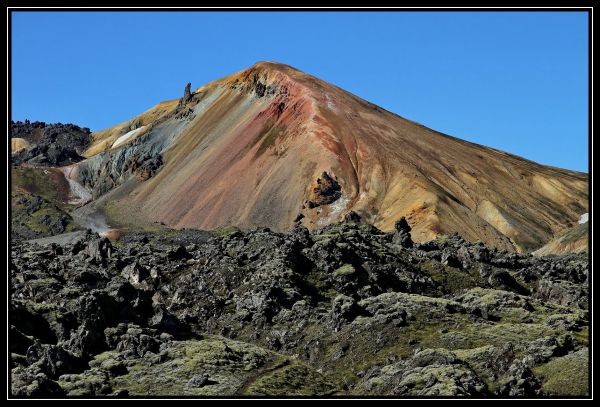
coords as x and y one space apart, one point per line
566 376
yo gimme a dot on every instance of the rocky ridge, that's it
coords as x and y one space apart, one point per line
49 144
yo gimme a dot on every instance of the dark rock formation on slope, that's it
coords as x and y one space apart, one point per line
49 144
327 191
187 94
342 310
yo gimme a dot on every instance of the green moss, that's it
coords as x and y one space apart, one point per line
457 331
441 239
225 230
400 342
232 367
229 364
565 376
72 227
345 270
452 279
98 359
376 382
48 210
34 181
293 379
421 300
444 379
326 237
472 353
34 221
84 384
507 332
38 284
582 336
28 183
317 282
35 226
70 292
43 307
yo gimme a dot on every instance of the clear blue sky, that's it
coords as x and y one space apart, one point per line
512 81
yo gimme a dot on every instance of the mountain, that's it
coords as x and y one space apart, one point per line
271 146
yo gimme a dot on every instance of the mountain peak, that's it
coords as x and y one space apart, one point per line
270 78
271 71
272 65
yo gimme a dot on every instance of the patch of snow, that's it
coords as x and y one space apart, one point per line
127 136
583 219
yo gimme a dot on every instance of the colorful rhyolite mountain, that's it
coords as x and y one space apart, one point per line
271 146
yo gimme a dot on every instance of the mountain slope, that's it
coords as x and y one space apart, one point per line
572 240
271 145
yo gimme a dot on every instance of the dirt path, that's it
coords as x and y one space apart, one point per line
62 239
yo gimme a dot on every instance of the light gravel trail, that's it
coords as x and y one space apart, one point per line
61 240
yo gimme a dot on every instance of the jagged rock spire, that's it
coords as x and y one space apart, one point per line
187 94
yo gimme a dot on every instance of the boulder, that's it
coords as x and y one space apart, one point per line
401 234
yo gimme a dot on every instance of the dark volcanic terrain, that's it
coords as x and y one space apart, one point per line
342 310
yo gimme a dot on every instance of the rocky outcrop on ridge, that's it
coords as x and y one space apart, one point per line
50 144
187 94
327 191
